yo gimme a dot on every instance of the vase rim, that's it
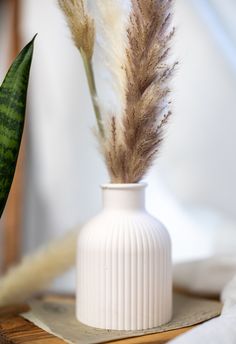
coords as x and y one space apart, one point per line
123 186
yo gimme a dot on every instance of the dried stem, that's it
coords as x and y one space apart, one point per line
83 32
133 135
93 92
147 105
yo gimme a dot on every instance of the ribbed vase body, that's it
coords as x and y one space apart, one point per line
124 272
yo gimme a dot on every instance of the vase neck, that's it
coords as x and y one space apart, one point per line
124 196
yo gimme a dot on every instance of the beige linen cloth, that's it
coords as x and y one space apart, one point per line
57 316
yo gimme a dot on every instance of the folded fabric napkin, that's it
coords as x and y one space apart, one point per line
212 276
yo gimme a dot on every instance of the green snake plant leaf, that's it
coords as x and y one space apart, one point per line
13 93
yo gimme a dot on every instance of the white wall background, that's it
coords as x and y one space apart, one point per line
197 166
199 156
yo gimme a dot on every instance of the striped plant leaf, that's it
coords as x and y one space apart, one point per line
13 93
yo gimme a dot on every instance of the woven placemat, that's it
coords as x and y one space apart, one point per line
58 318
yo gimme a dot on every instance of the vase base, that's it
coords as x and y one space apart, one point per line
122 328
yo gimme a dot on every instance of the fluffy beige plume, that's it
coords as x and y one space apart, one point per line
137 58
38 270
111 18
81 25
147 90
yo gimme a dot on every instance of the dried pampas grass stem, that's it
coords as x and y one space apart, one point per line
82 28
111 19
147 91
38 270
81 25
136 52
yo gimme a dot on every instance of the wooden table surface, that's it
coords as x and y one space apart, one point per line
16 330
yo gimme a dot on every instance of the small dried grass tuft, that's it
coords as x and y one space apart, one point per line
81 25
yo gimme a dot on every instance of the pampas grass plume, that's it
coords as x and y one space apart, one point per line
36 271
136 53
148 73
81 25
111 18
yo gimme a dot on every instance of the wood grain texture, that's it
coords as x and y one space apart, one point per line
18 330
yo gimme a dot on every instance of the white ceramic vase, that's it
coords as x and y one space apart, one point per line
124 271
